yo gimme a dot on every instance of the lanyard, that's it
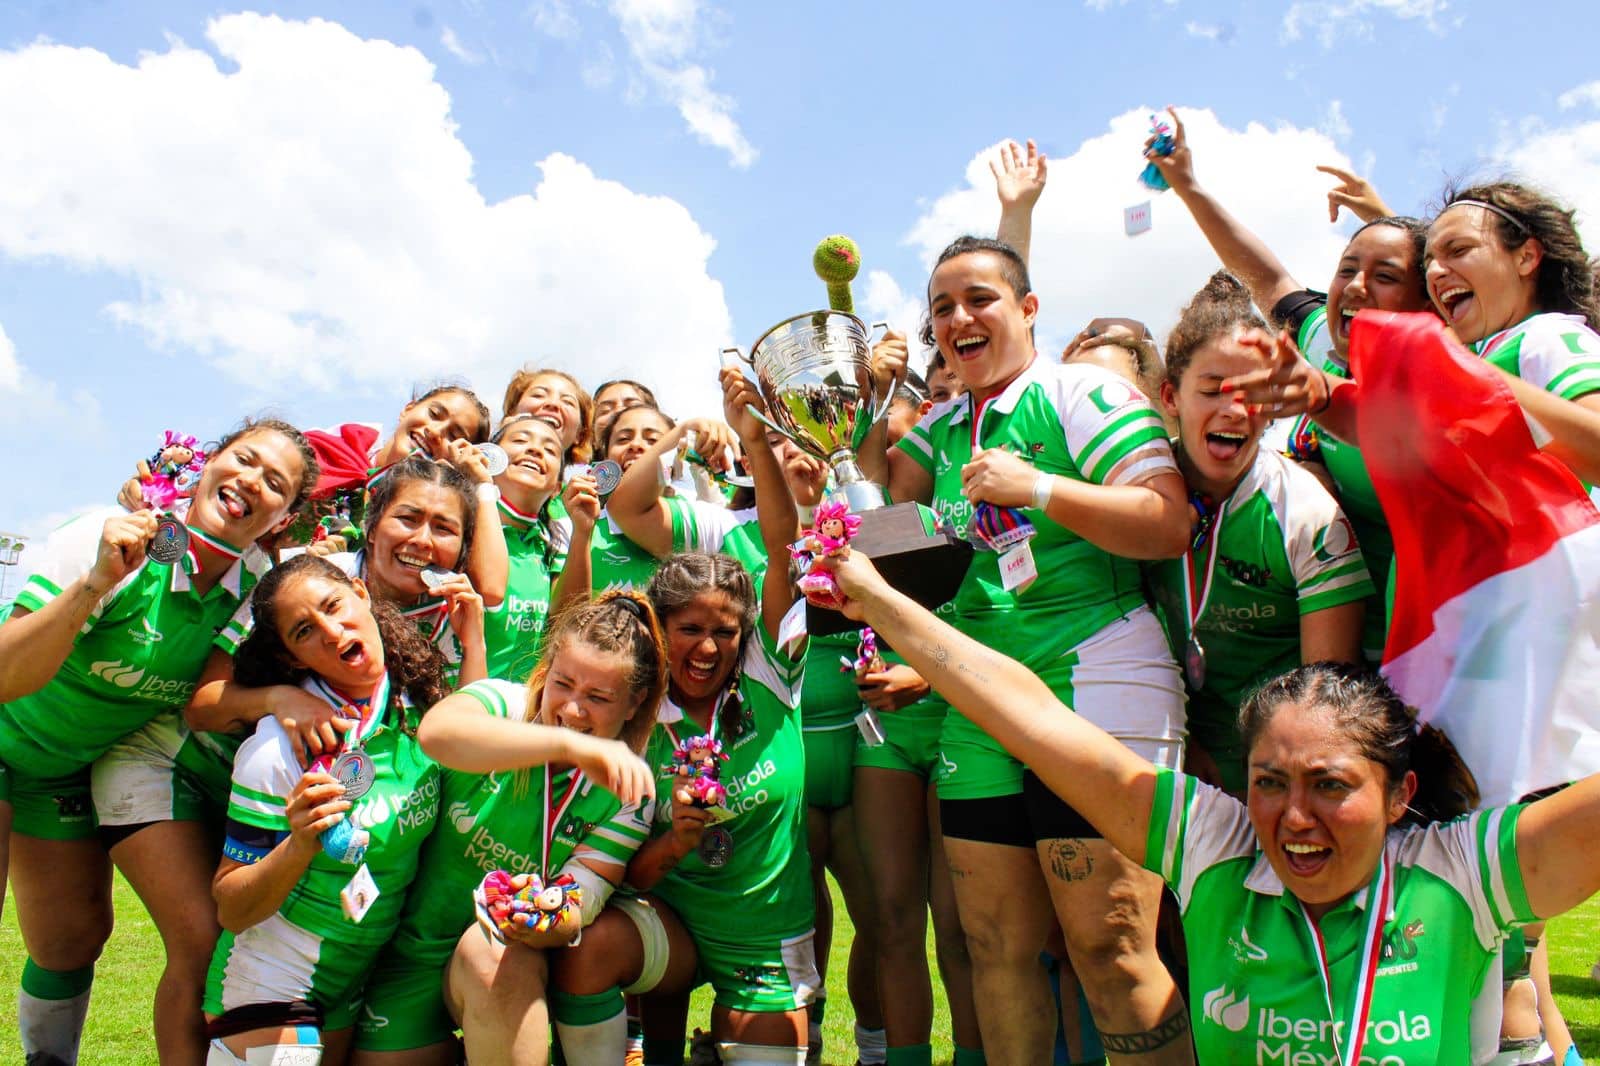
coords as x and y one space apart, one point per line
553 823
1378 903
430 616
191 558
367 721
1197 586
710 732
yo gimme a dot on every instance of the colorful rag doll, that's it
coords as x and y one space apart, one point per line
173 472
868 660
832 527
526 902
696 761
1151 175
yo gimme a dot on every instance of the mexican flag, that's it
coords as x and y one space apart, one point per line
1495 636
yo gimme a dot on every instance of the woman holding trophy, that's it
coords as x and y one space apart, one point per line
1065 475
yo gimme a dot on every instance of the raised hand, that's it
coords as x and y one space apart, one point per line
1356 193
1019 177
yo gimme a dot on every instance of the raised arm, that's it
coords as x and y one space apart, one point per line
489 563
576 583
775 509
1085 766
460 733
1241 251
35 643
1019 178
637 506
222 705
1554 836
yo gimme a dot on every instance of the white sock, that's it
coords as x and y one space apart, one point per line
599 1044
872 1046
734 1054
51 1028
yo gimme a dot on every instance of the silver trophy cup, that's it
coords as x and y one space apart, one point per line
815 373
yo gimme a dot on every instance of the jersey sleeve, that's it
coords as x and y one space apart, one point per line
560 542
778 665
1113 434
500 698
265 772
238 627
67 556
612 843
1477 855
1561 356
919 443
1328 566
1193 826
702 527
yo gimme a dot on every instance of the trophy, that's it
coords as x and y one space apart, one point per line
815 373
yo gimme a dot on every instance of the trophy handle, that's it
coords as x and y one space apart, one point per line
769 423
882 411
738 354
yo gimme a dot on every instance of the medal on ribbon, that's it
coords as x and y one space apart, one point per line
1197 586
1380 898
170 543
998 529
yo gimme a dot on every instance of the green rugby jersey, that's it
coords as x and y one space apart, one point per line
513 630
491 822
1255 994
1077 421
398 812
140 652
1286 550
704 527
617 563
1557 352
761 883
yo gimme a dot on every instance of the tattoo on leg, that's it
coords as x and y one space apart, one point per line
1070 861
1149 1040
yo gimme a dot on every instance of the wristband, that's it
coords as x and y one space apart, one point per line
1043 486
488 492
1327 395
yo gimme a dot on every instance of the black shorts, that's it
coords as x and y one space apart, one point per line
1019 820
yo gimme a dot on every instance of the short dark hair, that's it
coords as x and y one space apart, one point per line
1012 267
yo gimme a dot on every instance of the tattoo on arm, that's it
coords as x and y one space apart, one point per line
1070 860
1149 1040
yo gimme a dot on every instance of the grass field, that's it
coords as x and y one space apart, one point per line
119 1021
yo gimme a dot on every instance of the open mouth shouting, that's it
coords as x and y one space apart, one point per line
1457 302
970 347
353 654
1305 858
699 671
1225 445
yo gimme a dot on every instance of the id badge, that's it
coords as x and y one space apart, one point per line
359 895
1017 568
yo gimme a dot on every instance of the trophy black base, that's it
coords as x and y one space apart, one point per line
911 552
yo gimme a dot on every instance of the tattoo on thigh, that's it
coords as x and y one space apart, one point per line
1149 1040
1070 861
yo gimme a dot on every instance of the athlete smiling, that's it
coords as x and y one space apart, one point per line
1329 925
104 646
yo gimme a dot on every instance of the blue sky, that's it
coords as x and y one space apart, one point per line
206 212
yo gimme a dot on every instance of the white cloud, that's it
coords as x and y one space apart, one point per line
1562 160
554 18
1082 263
338 248
1206 31
1334 124
1582 95
885 301
10 369
1331 19
453 45
662 37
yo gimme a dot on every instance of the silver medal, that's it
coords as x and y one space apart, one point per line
496 457
354 770
607 474
170 542
434 576
716 847
1194 663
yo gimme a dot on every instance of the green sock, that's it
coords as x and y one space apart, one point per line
41 983
916 1055
968 1056
51 1008
592 1028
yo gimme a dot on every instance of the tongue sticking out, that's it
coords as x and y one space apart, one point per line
1223 447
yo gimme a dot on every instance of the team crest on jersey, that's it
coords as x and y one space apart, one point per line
1339 538
1246 573
1400 947
574 827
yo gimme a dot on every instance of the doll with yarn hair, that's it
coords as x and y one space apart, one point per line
832 528
173 472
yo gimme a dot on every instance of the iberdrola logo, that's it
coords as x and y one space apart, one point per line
113 671
462 816
1222 1008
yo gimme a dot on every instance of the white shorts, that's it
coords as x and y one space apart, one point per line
138 780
